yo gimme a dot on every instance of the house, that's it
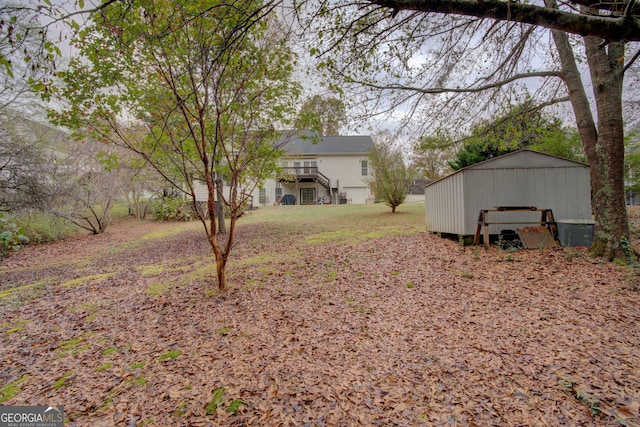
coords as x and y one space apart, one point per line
523 178
326 169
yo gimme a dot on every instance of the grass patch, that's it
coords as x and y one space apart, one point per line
225 331
156 289
181 409
138 365
94 278
170 355
234 406
11 389
104 367
176 228
42 227
217 399
18 326
7 293
62 381
108 351
139 381
176 265
69 344
80 349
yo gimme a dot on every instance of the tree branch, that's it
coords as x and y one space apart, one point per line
609 28
438 90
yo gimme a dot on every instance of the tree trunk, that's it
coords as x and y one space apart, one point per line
222 229
220 256
604 144
221 271
606 155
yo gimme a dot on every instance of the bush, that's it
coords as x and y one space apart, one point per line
172 209
41 227
11 237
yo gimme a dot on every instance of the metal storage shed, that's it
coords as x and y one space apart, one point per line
522 178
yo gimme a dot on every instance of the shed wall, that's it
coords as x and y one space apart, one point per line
565 190
444 205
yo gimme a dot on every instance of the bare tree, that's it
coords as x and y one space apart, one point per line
457 61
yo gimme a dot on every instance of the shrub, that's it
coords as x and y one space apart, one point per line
42 227
11 237
172 209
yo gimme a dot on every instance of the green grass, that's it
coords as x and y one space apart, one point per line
108 351
9 390
370 217
139 381
18 326
93 278
41 227
7 293
62 381
170 355
138 365
224 331
217 399
234 406
104 367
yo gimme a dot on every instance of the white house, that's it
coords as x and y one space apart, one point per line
333 170
327 169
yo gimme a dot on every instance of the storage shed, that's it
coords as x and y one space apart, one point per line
523 178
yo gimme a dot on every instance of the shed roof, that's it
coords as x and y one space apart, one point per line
360 144
521 159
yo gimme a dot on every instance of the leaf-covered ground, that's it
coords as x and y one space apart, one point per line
338 316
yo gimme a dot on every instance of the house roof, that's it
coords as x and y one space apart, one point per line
520 159
360 144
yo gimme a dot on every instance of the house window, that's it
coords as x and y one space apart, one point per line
297 166
262 196
278 193
365 167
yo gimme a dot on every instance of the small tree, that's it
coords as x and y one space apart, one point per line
210 81
392 176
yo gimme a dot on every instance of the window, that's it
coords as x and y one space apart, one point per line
262 196
365 167
278 193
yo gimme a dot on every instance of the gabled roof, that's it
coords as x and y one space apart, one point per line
329 145
525 158
520 159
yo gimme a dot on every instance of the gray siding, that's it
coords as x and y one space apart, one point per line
565 190
444 205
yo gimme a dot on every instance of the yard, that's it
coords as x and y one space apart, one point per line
338 316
